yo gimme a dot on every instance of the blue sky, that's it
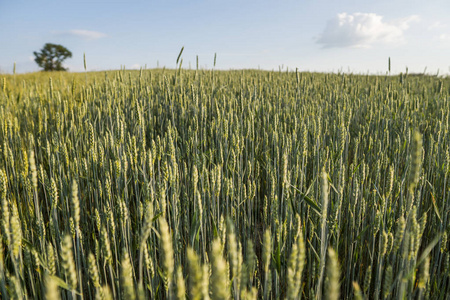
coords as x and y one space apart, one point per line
326 36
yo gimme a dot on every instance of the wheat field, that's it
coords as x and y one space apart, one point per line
206 184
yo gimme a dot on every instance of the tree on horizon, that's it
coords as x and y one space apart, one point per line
51 56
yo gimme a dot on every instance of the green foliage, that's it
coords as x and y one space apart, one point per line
51 56
161 184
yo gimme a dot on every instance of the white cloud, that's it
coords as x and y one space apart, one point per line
437 25
444 37
363 30
135 67
84 34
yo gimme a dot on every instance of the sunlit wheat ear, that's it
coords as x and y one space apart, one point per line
424 273
68 263
219 288
15 291
148 260
51 259
357 293
444 242
199 205
93 271
72 227
106 293
98 221
5 206
416 161
292 291
267 254
16 232
75 205
54 193
166 252
233 253
267 250
51 288
333 275
195 275
323 235
296 265
388 276
2 275
50 85
91 137
111 222
25 162
180 285
251 261
126 277
399 234
205 282
147 226
106 246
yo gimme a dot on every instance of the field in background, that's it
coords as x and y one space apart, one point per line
233 184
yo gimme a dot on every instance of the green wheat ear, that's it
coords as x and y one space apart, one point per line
219 288
180 285
93 271
179 55
333 276
416 161
195 275
166 252
75 204
127 277
68 263
51 288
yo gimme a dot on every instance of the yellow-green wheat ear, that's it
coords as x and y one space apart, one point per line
68 263
357 293
166 252
219 288
180 284
127 277
93 271
195 275
416 161
51 288
333 276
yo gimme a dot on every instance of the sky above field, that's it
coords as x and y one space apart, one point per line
326 36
